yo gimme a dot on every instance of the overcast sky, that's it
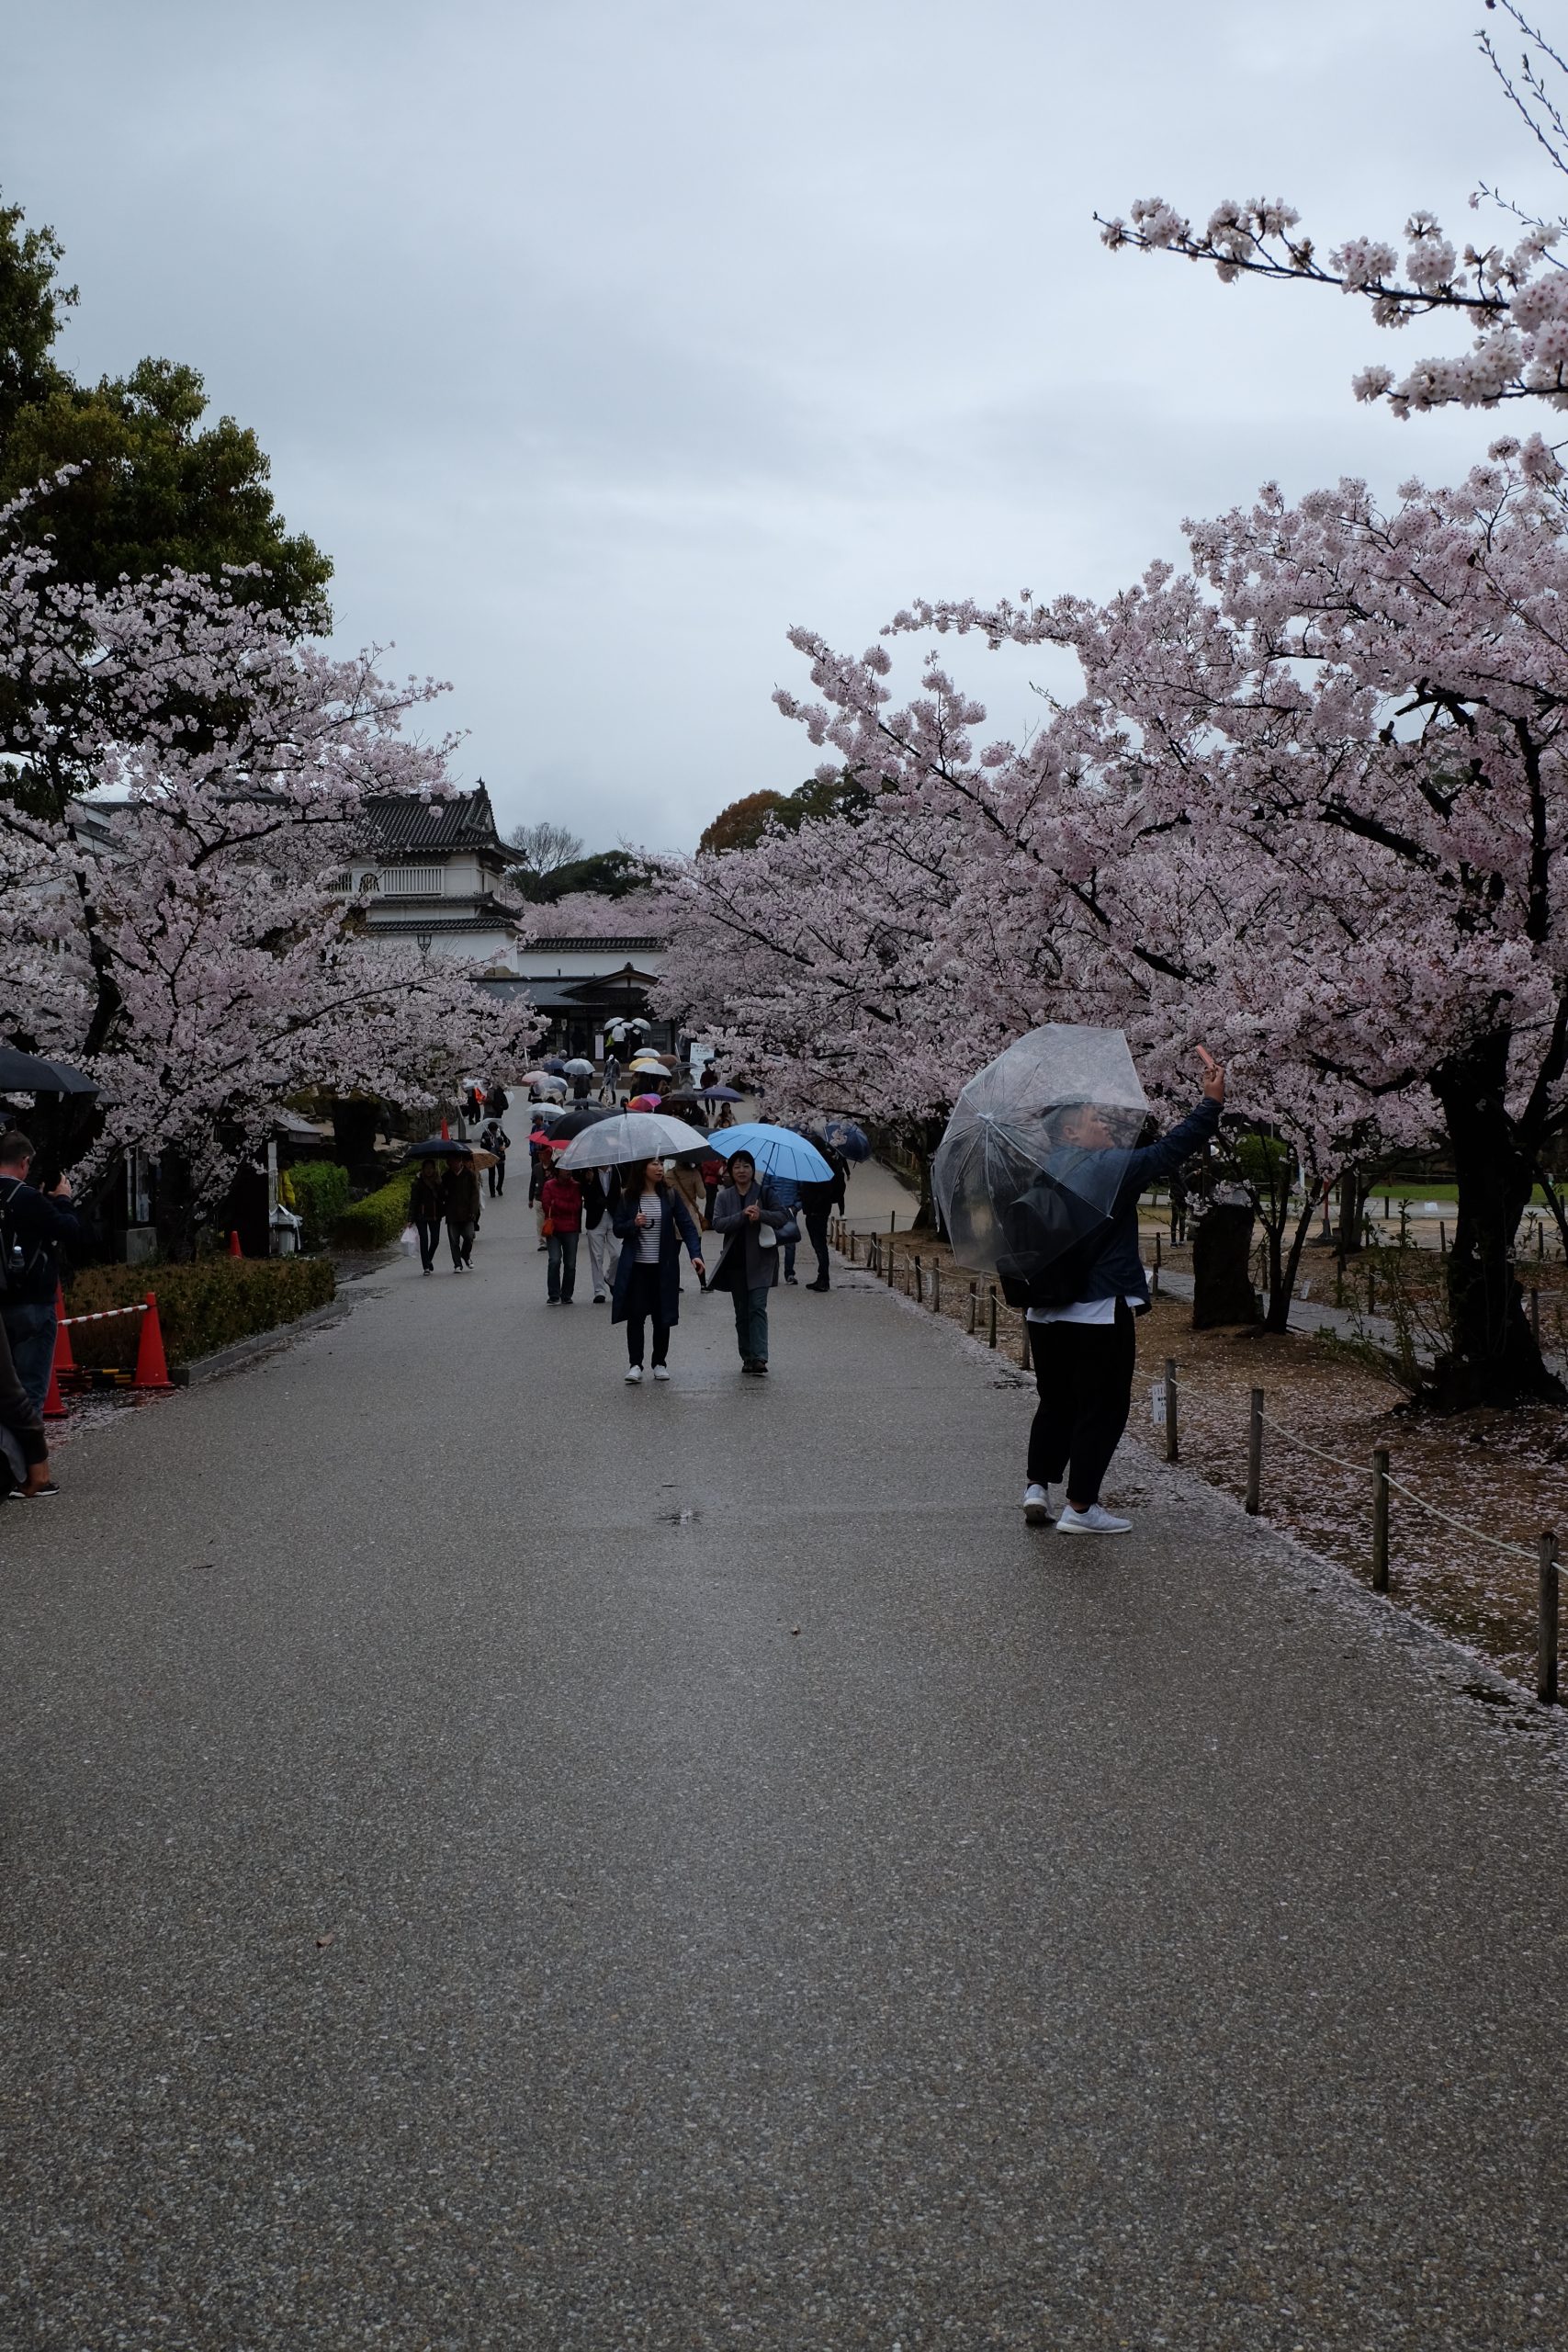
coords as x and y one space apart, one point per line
598 341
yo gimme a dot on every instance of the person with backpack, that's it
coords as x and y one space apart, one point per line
1081 1315
494 1139
33 1226
24 1447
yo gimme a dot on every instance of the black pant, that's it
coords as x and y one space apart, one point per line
1083 1374
497 1178
817 1234
429 1231
646 1299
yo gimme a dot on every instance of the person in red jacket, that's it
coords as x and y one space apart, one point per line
561 1201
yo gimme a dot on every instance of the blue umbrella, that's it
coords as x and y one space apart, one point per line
845 1136
776 1151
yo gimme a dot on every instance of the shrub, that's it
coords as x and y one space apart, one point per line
201 1307
319 1191
376 1221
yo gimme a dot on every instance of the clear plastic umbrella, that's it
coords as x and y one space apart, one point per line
629 1137
1036 1149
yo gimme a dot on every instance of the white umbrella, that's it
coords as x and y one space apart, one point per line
577 1067
549 1110
633 1136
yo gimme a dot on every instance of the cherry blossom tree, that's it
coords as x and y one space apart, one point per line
1362 715
183 782
1513 297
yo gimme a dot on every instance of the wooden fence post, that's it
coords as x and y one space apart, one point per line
1546 1655
936 1287
1172 1435
993 1314
1255 1456
974 1305
1380 1520
892 1220
919 1281
1156 1285
892 1261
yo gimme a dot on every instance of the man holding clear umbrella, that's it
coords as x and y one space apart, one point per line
1084 1345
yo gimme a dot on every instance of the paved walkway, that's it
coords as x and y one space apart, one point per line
495 1858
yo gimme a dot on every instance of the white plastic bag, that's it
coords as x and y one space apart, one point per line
411 1241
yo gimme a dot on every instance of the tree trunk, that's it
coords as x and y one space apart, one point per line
1496 1360
1284 1268
1353 1192
1222 1267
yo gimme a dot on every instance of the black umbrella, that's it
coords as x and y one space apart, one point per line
586 1114
439 1148
30 1074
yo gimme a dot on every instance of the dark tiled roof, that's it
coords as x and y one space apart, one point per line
565 945
406 826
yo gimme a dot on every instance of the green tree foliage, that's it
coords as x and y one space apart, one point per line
744 823
157 487
611 874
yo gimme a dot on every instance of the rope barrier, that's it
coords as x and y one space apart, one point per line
104 1313
1358 1470
1519 1551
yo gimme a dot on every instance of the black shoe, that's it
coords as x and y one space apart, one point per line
819 1285
790 1279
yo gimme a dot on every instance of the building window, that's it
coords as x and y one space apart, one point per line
412 881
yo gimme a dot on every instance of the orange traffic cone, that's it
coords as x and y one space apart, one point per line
152 1371
234 1249
54 1403
65 1360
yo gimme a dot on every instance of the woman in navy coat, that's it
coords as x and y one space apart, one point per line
652 1221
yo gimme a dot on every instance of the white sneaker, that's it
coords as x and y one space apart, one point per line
1092 1521
659 1371
634 1374
1037 1507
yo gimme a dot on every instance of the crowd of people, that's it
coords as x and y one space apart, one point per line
638 1219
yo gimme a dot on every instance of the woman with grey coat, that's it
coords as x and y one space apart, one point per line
748 1215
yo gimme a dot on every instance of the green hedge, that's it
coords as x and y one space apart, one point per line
321 1192
379 1217
201 1307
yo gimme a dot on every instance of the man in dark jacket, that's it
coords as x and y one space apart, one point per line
24 1448
33 1224
1084 1349
817 1203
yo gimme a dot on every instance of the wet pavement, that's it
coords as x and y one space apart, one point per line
497 1858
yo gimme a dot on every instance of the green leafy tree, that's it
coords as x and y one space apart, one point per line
610 874
157 485
744 823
